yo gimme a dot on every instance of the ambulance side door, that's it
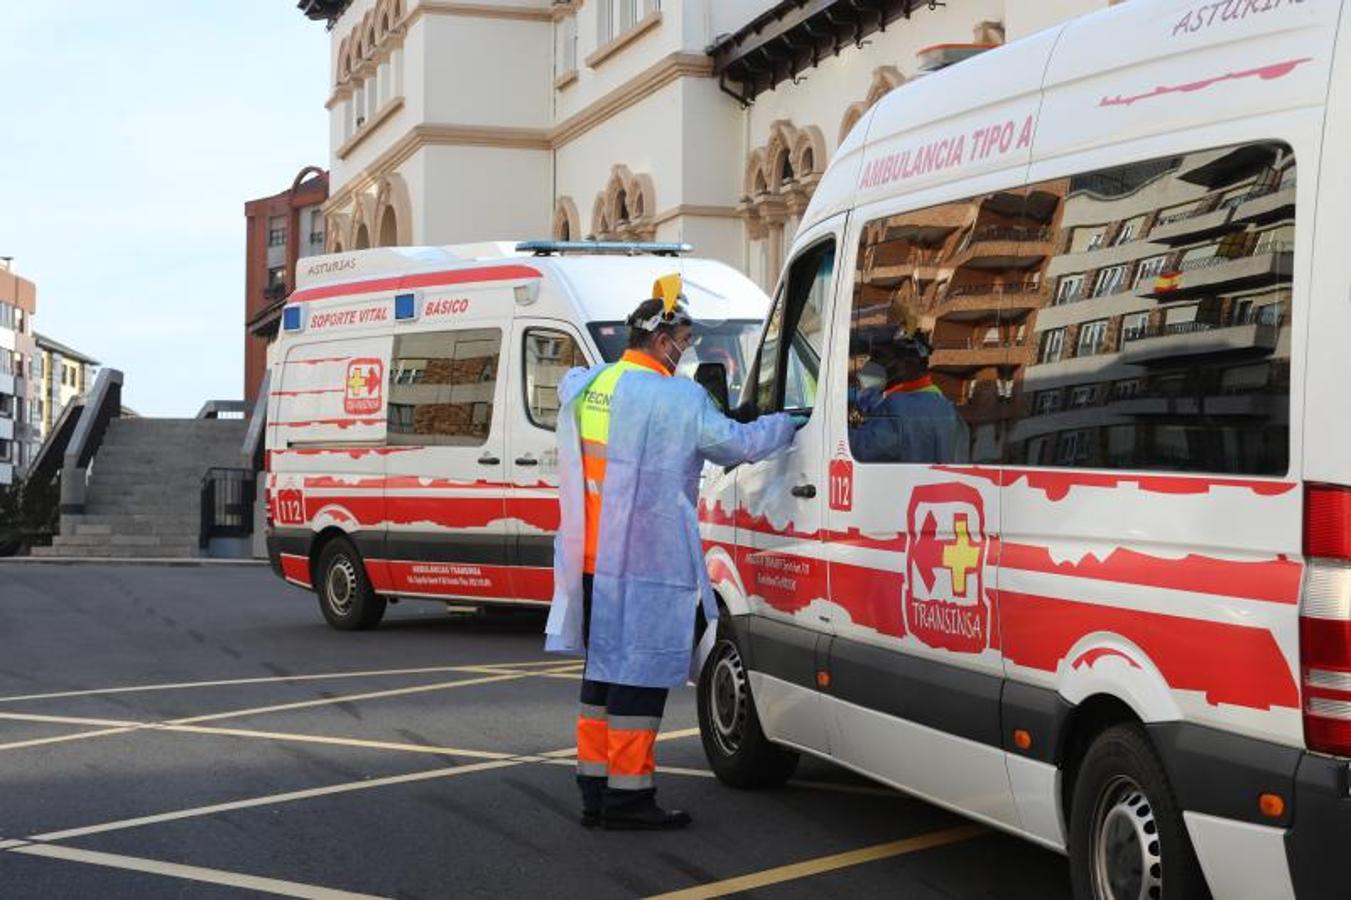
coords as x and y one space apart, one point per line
780 502
445 495
928 330
543 351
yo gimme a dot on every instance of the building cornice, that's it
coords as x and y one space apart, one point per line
620 41
657 76
368 127
695 210
477 11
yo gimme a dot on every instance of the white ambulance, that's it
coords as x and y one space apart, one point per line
1065 544
412 400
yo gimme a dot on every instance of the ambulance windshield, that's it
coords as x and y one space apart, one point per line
731 342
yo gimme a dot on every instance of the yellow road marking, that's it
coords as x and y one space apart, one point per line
807 868
271 799
338 741
63 738
345 698
229 682
190 873
67 720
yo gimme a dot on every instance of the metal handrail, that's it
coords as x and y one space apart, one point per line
102 405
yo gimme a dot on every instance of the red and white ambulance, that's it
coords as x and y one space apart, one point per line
1114 615
410 424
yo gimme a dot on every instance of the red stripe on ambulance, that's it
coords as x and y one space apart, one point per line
424 279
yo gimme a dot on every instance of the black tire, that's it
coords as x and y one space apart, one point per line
1127 837
345 594
735 745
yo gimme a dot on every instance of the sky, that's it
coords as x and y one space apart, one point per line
131 135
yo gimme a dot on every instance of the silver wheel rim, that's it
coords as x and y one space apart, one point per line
340 587
728 699
1127 863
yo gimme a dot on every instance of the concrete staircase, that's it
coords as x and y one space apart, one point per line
145 484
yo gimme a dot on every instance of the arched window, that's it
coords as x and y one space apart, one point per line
622 206
786 173
363 239
389 228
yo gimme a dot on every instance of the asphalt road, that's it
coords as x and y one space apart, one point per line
200 732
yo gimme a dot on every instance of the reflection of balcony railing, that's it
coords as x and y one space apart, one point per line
1019 287
1008 233
1208 262
1248 317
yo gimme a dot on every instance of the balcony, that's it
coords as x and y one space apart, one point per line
1266 205
1192 225
1269 264
1181 340
1004 247
973 302
1258 405
962 356
917 264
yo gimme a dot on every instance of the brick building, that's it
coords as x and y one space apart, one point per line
281 229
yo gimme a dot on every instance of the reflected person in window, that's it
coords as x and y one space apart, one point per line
907 419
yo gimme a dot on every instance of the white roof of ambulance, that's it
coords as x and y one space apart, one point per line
600 288
1143 73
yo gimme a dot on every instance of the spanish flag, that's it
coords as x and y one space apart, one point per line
1166 282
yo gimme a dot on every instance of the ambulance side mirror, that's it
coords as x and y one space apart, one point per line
713 377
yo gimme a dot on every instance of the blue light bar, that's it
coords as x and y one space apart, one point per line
290 318
405 306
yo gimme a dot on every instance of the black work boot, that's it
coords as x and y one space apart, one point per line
646 818
593 792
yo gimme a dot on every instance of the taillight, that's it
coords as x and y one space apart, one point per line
1325 619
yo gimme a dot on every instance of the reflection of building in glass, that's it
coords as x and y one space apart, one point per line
548 356
1165 343
967 275
441 387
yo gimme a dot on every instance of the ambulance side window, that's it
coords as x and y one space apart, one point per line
548 355
441 387
939 324
788 368
1161 339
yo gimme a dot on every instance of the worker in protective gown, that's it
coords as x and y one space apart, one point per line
628 561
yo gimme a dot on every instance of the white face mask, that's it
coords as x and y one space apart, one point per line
872 377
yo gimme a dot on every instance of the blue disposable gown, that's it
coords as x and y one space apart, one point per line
650 575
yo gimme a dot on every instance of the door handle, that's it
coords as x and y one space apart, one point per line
489 460
806 491
526 461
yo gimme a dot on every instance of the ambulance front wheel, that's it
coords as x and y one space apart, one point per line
345 594
1127 837
736 747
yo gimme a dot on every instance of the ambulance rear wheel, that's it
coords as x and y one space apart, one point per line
345 594
1127 837
736 747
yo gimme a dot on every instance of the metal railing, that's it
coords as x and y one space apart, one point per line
1208 262
227 504
101 406
968 290
1008 233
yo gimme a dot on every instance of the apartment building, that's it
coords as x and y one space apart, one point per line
61 374
18 423
706 121
1168 321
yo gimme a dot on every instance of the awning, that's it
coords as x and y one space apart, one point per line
796 35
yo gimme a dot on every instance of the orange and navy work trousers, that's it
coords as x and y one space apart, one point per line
616 740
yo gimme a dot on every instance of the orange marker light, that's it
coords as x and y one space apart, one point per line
1022 739
1271 805
822 679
